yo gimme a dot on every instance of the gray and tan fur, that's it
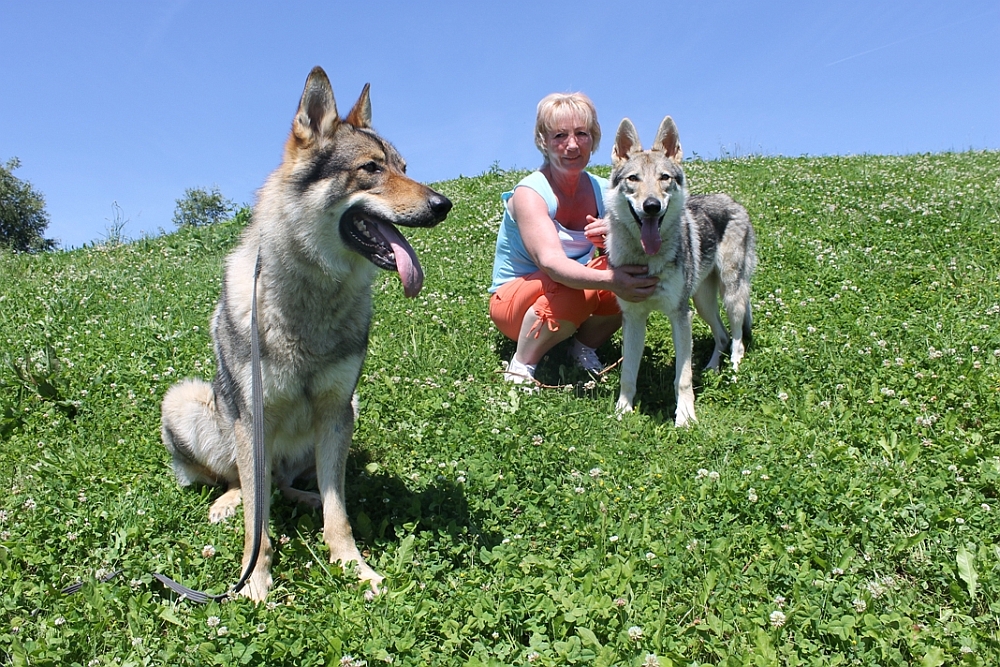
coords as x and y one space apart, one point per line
699 247
324 224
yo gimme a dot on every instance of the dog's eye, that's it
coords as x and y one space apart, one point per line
665 177
634 178
371 167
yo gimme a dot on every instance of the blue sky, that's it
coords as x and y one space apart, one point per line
133 102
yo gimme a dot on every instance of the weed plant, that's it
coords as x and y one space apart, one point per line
836 503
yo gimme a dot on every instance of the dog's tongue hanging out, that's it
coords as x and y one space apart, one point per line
407 264
650 236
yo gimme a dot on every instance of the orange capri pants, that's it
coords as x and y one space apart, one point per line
552 302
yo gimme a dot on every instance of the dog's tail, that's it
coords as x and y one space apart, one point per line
193 433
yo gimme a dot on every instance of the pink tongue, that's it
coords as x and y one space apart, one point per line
407 264
650 236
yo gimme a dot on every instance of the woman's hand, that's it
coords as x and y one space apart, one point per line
596 231
632 282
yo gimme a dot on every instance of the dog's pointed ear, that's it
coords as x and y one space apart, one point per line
361 113
626 141
668 140
317 115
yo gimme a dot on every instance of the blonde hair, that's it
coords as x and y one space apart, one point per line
555 105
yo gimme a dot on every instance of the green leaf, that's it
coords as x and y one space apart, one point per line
588 637
933 658
967 570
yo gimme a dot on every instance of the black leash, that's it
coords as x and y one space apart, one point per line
259 473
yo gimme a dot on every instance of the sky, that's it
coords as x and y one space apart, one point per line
116 108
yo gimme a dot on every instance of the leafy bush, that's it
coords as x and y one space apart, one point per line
199 207
23 218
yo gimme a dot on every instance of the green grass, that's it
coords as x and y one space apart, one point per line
835 504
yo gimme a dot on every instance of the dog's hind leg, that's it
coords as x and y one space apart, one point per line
736 299
706 302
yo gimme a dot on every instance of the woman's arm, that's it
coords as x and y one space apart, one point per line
538 231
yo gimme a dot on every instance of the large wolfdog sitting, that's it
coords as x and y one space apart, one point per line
323 225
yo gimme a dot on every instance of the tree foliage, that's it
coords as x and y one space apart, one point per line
200 207
23 218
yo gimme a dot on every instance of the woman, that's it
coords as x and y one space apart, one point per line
548 281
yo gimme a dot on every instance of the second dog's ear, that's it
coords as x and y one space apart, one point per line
626 141
668 140
317 115
361 114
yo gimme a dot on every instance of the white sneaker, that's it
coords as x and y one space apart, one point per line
519 373
585 357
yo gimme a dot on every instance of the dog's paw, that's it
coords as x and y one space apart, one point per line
684 418
306 498
257 586
225 506
623 407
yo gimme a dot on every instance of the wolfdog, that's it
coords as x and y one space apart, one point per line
323 224
699 246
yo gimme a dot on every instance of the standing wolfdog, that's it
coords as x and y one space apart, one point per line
323 225
699 246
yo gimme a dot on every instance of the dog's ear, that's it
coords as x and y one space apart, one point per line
668 140
361 113
626 141
317 115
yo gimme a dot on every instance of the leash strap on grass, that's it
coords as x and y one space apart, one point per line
259 472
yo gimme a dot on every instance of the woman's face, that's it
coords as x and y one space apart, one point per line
568 144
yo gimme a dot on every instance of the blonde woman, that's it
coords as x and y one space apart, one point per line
549 281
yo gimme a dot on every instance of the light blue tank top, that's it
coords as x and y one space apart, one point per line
511 258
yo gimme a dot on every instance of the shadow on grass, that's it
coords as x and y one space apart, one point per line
382 508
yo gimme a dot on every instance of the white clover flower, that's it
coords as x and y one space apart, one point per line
59 620
595 472
30 504
752 495
780 601
702 472
777 618
651 660
985 507
714 476
635 633
222 631
782 396
613 538
859 605
531 657
207 551
837 571
212 621
536 440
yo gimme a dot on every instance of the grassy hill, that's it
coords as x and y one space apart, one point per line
837 503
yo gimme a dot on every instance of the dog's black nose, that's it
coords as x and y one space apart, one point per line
651 206
440 205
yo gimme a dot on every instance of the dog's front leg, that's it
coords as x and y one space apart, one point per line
331 468
680 327
633 343
260 581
